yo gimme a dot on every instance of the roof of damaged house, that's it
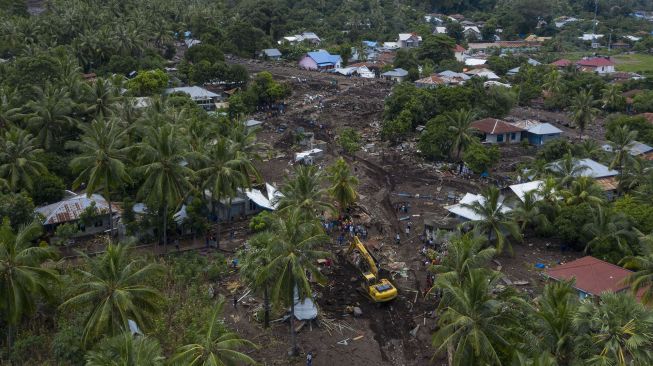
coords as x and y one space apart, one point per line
461 209
431 80
71 209
495 126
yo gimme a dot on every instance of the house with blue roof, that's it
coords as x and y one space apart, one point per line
320 60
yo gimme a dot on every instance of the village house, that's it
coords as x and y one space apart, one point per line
538 133
503 46
320 60
496 131
307 37
397 75
459 52
271 54
204 98
454 78
430 82
599 65
483 73
562 63
472 33
409 40
591 276
356 70
72 209
636 148
605 177
434 18
439 30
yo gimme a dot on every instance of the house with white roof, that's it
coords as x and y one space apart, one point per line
409 40
520 190
308 37
538 133
397 75
204 98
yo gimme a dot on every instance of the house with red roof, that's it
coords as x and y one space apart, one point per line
592 276
562 63
599 65
496 131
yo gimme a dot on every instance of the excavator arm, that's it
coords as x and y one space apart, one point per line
371 263
379 290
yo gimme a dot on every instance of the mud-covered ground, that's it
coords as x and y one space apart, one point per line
397 333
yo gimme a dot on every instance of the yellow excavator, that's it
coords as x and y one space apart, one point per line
378 290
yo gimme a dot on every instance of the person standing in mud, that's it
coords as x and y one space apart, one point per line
398 239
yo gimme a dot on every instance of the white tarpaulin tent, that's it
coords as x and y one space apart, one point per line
304 154
305 309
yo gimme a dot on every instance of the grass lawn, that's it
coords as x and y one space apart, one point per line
634 63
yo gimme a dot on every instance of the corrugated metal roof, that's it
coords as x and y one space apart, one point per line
593 276
71 208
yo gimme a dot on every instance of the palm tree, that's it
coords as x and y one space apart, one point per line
583 190
527 212
612 99
642 278
636 175
616 331
464 253
475 325
22 275
18 163
591 149
254 269
217 347
101 163
293 254
8 113
225 170
583 110
567 168
126 349
163 164
552 83
555 309
609 229
343 184
621 143
49 115
103 98
461 127
494 220
114 289
304 194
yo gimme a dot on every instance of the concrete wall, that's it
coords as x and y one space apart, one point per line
507 138
307 63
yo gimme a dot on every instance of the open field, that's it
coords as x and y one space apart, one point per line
639 63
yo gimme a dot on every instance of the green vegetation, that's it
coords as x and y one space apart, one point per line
639 63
